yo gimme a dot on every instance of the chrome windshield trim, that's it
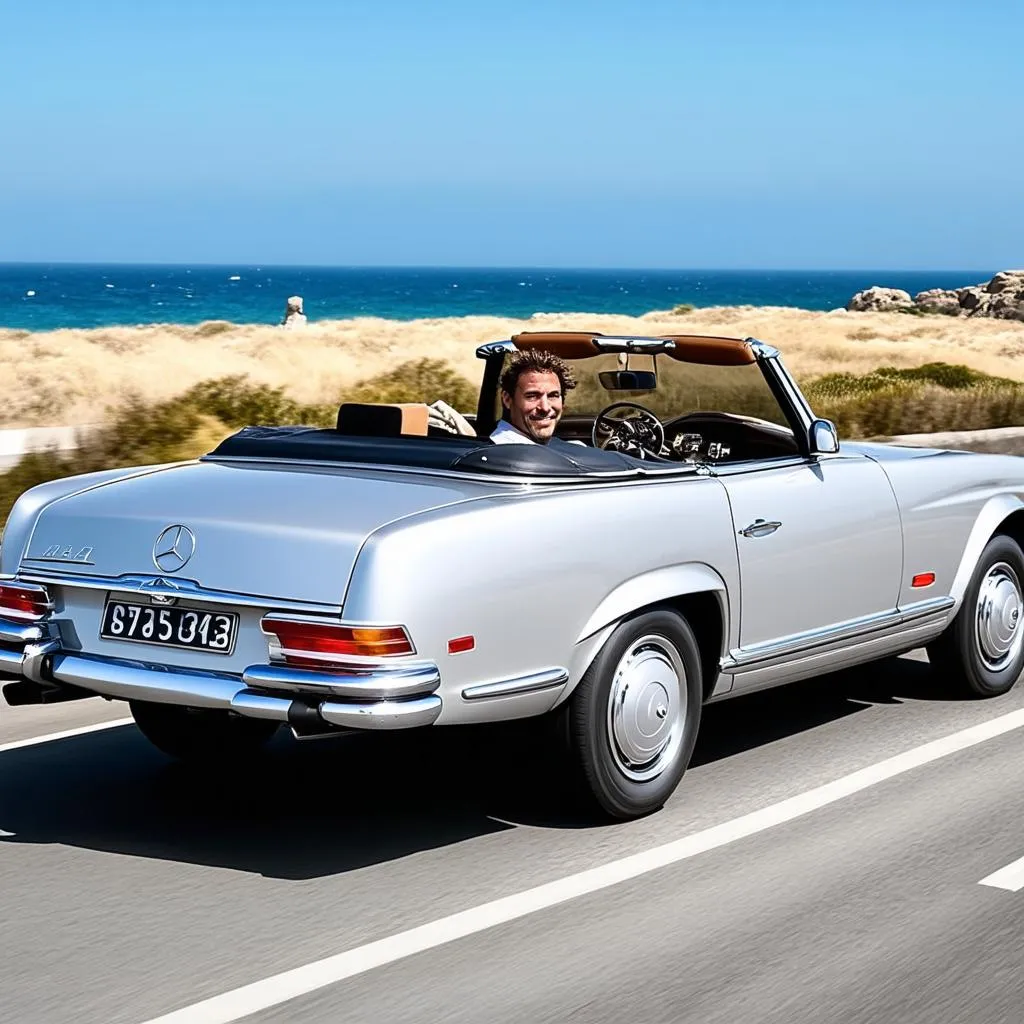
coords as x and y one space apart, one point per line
517 685
761 349
759 655
493 348
188 590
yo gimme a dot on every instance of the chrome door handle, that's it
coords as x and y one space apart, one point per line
760 528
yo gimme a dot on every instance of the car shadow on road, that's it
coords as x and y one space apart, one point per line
309 810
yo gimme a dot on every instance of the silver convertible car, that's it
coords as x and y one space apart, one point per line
692 534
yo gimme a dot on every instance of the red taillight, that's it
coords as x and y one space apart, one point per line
24 601
319 644
923 579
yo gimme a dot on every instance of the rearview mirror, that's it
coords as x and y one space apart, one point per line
823 438
628 380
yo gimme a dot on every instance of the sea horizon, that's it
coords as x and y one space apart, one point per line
41 296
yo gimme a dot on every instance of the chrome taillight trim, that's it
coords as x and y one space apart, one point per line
32 588
278 652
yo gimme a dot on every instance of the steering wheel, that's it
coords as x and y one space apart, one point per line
628 428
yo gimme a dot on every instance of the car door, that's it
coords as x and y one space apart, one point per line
820 548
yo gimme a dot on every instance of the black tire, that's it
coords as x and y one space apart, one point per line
200 734
970 654
658 645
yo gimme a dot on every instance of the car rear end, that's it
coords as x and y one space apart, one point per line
217 588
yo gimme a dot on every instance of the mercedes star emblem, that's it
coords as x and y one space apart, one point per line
173 548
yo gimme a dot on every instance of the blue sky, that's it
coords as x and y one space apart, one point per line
645 133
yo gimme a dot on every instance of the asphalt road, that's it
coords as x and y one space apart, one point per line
131 887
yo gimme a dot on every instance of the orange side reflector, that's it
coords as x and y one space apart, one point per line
461 644
923 579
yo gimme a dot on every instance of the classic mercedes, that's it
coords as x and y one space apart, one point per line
707 537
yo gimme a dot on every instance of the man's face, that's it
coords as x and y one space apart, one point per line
536 407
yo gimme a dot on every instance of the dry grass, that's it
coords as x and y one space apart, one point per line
72 376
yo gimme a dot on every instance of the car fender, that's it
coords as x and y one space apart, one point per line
993 514
652 587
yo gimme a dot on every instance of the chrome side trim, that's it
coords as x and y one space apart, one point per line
518 685
760 655
920 609
362 686
405 714
188 590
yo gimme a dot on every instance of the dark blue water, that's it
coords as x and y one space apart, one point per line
43 297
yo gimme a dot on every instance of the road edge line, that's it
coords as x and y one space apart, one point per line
258 996
66 734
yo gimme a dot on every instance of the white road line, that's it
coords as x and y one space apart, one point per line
1011 877
50 737
280 988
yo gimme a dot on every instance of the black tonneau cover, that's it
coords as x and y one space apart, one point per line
473 455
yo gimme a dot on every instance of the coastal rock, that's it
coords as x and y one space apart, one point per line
879 299
1001 298
1006 280
970 298
938 300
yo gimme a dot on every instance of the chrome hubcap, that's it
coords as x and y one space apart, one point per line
998 631
647 708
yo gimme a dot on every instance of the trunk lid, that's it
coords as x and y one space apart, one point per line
291 533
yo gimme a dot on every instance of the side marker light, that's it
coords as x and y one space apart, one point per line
461 644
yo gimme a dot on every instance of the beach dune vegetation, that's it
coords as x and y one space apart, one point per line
885 401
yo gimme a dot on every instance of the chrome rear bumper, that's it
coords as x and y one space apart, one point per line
400 698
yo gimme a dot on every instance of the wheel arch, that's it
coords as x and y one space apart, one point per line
1003 513
693 590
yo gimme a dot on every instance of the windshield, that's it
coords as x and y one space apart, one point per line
682 388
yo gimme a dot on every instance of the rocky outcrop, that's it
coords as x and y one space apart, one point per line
879 300
1002 297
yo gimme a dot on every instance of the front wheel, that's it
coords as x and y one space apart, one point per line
982 649
633 718
200 734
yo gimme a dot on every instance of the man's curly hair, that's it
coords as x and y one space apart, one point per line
536 360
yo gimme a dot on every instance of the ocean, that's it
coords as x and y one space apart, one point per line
43 297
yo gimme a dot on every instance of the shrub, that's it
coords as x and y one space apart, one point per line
683 308
190 425
209 328
420 380
886 401
920 399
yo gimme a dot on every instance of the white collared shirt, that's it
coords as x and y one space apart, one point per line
505 433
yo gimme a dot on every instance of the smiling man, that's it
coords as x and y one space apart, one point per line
533 387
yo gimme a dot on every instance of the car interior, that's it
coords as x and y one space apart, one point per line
699 401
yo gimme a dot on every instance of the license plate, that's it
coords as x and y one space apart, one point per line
188 628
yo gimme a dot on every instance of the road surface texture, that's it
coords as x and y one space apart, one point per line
133 889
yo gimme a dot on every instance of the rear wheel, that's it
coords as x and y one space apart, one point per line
982 650
200 734
633 718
